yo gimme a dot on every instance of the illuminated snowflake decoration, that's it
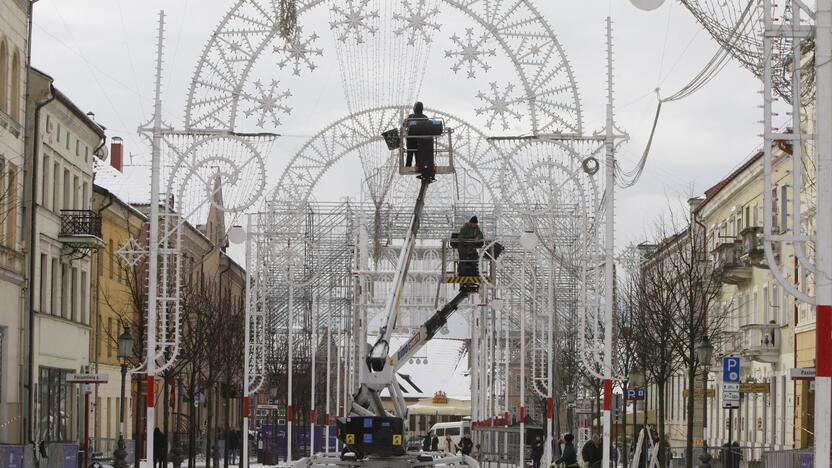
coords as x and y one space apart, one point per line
470 53
353 19
299 51
267 103
499 105
132 252
418 20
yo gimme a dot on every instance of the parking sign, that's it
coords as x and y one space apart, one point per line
730 382
731 369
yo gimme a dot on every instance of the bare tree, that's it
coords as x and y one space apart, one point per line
679 293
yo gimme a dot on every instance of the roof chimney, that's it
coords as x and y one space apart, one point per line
117 154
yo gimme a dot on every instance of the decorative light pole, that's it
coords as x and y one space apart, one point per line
704 351
528 241
125 351
637 380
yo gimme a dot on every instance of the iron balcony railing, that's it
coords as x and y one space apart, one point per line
80 223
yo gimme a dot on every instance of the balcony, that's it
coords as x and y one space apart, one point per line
752 246
732 342
80 230
761 342
729 265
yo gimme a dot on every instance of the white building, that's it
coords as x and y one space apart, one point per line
63 230
13 37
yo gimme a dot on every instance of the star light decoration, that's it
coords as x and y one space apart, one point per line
416 20
470 53
267 103
353 19
299 50
499 104
132 252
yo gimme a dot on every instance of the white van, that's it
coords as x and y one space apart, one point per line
454 429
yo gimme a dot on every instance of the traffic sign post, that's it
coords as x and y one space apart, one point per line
635 394
730 390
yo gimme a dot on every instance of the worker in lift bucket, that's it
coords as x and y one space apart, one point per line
422 148
470 239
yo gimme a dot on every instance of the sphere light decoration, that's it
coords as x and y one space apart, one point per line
236 235
647 5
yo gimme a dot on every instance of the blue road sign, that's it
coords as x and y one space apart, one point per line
731 369
636 394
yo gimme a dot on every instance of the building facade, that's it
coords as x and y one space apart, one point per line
62 231
13 44
114 306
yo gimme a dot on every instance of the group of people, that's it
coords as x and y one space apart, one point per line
592 453
430 443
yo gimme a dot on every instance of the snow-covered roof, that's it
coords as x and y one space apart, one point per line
446 369
132 187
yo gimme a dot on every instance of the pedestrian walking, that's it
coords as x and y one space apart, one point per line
434 443
426 442
592 453
466 444
569 459
537 451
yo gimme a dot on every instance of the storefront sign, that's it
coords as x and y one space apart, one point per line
440 398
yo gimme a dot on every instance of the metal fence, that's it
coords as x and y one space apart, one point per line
789 459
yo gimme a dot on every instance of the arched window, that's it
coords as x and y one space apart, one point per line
4 76
15 92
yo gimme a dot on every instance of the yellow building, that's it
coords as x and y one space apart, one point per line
760 325
113 308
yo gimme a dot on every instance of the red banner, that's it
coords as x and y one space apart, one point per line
245 406
823 337
313 416
289 415
550 408
151 392
522 414
607 394
505 419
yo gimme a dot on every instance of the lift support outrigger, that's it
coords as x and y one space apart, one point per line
370 434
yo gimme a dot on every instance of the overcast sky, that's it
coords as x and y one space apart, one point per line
101 52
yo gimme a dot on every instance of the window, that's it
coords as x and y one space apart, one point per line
65 205
784 210
66 142
56 284
73 294
75 190
85 188
765 305
452 431
108 339
56 180
44 262
58 133
748 216
11 209
14 108
77 148
86 154
44 185
4 73
65 293
85 288
55 409
110 257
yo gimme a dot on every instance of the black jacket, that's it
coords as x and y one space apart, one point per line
569 457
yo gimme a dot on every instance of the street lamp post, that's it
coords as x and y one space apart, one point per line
704 351
125 350
528 241
637 379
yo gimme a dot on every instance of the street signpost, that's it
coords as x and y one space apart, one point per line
86 379
730 382
635 394
730 389
803 373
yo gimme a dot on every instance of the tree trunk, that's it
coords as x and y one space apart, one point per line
689 409
209 421
660 387
192 421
